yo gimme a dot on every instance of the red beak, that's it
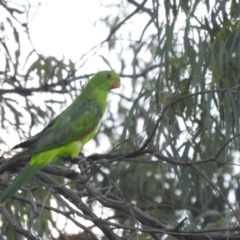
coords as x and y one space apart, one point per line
116 84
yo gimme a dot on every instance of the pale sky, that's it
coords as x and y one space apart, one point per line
70 29
65 28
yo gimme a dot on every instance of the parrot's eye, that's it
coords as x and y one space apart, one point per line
108 76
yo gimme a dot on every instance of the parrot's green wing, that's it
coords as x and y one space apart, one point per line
68 132
71 125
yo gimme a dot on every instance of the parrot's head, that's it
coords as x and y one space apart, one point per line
107 80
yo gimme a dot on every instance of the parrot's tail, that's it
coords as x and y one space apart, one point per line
17 183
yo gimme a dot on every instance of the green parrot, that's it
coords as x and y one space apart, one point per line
66 134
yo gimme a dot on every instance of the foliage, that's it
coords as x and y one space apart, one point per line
171 171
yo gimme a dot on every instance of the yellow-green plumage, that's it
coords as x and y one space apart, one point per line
68 132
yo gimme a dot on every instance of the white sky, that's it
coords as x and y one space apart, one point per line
65 28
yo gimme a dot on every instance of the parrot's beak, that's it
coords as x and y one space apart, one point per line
116 84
